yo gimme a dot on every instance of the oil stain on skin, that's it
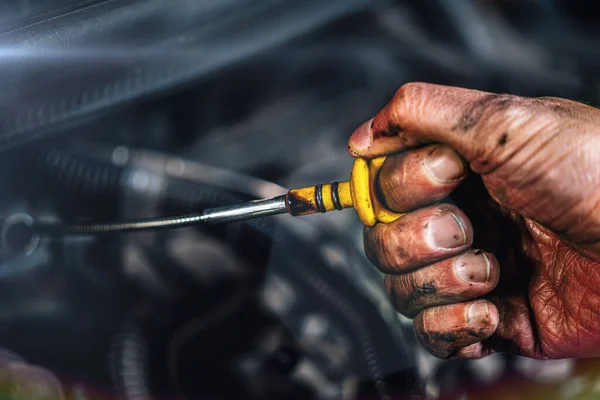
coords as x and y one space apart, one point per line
352 152
503 139
410 301
433 336
476 334
488 104
447 337
298 205
556 105
444 343
393 130
427 288
500 194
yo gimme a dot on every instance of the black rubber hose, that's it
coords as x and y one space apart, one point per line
129 364
80 173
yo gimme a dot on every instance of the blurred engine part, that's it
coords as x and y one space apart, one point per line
78 59
122 109
249 310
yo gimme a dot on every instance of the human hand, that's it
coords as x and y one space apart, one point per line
533 201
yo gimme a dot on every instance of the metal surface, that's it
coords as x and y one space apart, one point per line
231 213
252 209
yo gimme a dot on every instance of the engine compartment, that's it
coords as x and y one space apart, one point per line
275 308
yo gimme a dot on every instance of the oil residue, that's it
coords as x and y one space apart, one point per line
301 202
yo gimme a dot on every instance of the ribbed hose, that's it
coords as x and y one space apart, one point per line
81 173
129 364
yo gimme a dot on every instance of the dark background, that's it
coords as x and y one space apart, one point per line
120 109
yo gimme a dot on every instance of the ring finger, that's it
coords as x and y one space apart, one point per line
457 279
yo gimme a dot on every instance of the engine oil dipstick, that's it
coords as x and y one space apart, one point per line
358 193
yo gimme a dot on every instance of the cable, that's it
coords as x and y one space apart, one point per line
178 221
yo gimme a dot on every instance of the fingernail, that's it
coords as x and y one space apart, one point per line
473 267
446 231
478 313
444 165
362 137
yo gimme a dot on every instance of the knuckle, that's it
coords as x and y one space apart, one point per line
505 113
502 104
409 90
379 244
488 108
504 124
436 343
398 254
442 336
408 296
525 117
385 248
407 96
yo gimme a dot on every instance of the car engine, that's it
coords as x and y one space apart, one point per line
115 110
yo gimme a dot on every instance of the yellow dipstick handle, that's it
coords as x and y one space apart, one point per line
359 192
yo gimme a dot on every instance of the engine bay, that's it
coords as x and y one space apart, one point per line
125 113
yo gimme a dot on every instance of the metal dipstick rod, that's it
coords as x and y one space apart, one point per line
357 193
230 213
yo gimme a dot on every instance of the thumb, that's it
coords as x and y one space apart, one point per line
485 128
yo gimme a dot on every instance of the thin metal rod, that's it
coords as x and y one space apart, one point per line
251 209
232 213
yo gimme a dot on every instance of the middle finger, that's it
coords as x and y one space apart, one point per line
418 238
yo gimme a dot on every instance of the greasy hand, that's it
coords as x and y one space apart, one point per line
515 265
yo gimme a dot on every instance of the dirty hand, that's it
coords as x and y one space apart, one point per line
515 265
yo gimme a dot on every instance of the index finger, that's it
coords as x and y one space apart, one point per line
423 113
